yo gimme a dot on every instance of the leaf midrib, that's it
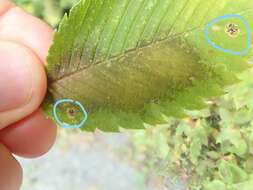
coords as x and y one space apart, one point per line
124 53
132 50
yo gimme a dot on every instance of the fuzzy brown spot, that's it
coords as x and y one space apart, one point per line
232 29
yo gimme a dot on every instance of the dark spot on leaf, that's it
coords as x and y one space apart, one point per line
232 29
71 112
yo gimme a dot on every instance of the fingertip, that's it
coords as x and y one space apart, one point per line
23 82
11 171
31 137
23 28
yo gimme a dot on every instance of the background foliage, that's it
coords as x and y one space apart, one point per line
49 10
212 149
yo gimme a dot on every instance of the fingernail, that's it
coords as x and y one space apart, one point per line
15 78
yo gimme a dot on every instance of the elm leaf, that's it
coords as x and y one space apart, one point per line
131 62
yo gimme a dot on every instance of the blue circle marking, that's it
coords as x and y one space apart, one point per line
225 17
66 125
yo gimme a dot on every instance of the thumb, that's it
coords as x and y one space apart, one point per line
22 82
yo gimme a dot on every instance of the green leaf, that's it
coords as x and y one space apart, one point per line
215 185
141 61
231 173
231 141
244 186
195 150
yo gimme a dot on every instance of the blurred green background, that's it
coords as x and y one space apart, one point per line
49 10
196 150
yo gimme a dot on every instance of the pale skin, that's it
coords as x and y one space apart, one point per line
24 129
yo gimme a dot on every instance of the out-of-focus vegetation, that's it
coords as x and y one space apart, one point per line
213 148
49 10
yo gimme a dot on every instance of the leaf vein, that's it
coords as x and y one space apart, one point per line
116 29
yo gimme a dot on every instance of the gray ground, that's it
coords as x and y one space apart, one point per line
81 161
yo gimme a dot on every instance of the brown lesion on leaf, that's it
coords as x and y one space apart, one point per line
232 30
150 75
72 112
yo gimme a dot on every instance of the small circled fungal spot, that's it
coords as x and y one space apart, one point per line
71 112
232 30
